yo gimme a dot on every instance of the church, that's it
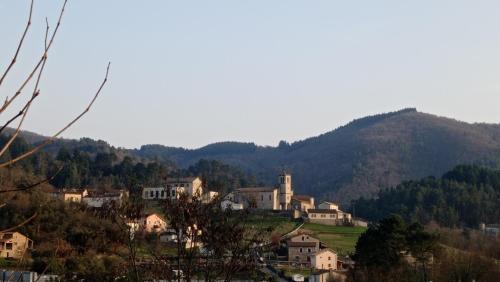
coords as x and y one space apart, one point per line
267 198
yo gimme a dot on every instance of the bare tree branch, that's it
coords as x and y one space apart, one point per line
51 139
36 92
50 262
40 62
20 224
18 114
14 59
31 186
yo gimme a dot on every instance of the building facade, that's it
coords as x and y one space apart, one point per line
301 247
302 203
174 186
264 198
70 195
228 204
328 206
149 223
98 199
286 191
267 198
329 217
325 259
14 245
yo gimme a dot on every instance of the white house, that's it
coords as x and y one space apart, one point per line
228 204
174 186
97 200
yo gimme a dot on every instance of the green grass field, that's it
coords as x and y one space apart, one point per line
342 239
279 225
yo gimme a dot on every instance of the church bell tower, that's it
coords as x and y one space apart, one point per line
286 192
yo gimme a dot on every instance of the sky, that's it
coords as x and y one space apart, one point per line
189 73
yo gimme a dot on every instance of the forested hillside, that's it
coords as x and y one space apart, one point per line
354 160
465 196
104 167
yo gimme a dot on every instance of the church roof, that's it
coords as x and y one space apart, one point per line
256 189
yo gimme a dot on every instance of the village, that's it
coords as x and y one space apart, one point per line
301 252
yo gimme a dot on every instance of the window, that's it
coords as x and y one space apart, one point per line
332 215
162 193
313 215
323 215
168 192
308 250
329 265
157 193
261 197
329 258
300 250
269 197
302 238
8 246
151 194
173 192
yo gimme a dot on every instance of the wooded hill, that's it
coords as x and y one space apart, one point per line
463 197
354 160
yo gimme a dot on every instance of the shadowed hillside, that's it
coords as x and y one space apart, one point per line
361 157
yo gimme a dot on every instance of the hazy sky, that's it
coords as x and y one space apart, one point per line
188 73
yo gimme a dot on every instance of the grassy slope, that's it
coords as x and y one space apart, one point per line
279 225
342 239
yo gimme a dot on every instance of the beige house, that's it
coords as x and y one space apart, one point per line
325 259
302 202
190 185
209 196
150 223
329 217
14 245
70 195
174 186
301 247
153 223
328 206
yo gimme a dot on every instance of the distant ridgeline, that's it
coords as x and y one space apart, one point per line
465 196
357 159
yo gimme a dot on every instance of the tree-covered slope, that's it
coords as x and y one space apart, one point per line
464 196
